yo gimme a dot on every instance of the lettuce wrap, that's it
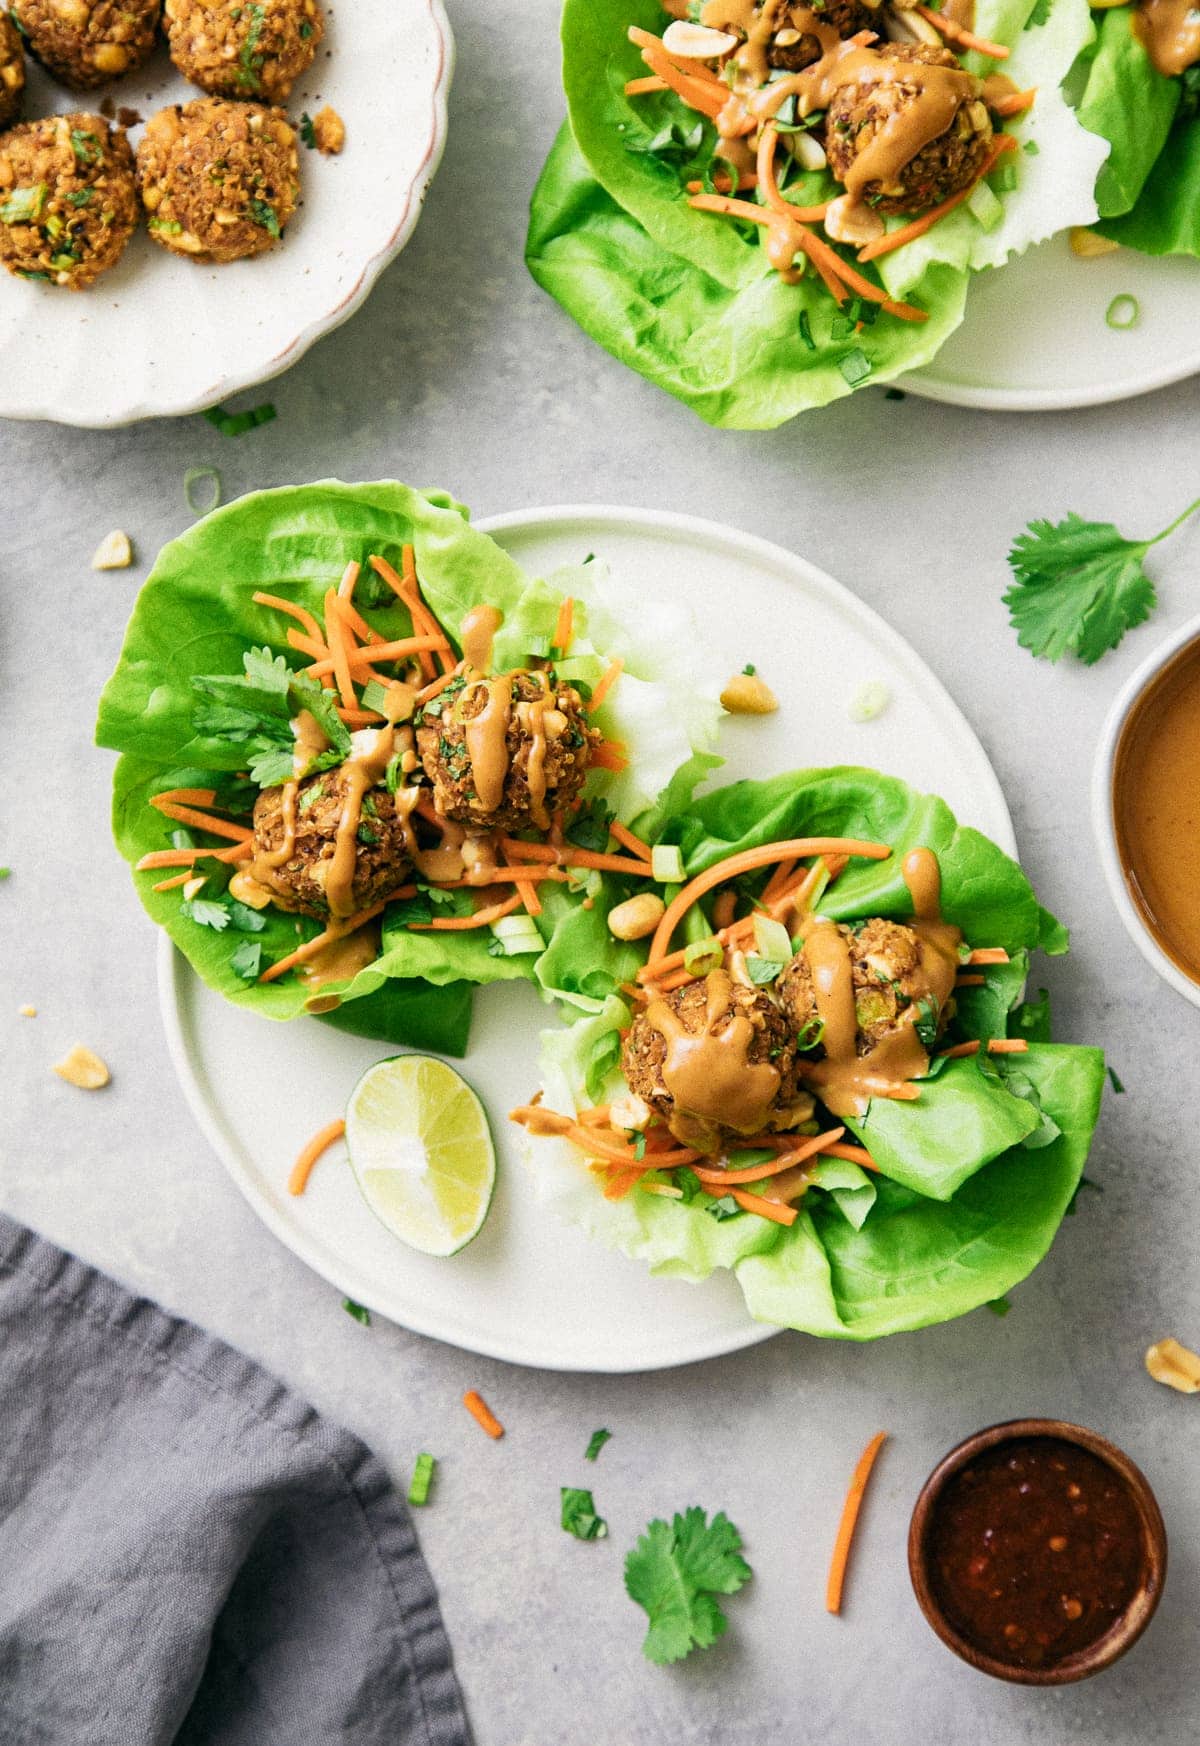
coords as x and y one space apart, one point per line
689 298
972 1179
195 618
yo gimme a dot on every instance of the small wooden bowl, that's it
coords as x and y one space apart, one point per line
1122 1634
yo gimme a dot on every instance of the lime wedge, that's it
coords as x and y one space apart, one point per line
421 1152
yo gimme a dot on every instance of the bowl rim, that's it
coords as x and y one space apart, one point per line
1104 823
1123 1633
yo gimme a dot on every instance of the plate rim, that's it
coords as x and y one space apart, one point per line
256 375
926 384
172 967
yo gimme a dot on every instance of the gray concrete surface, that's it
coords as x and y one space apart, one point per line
459 372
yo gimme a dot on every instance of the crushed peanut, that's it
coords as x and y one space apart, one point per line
1088 246
1175 1365
27 1011
115 552
83 1067
329 132
636 917
747 694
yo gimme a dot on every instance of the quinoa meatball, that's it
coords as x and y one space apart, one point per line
258 48
792 48
68 203
382 862
949 163
888 976
12 71
645 1051
219 180
86 43
543 766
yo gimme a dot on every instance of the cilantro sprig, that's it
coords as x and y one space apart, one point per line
675 1573
254 709
1080 585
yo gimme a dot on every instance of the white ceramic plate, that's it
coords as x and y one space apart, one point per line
531 1294
1035 338
160 335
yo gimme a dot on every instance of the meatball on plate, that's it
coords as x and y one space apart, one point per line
68 203
257 234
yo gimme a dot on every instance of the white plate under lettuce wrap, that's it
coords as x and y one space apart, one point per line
531 1289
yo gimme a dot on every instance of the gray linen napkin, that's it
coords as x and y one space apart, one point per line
188 1552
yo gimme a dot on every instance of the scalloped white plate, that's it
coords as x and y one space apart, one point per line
161 336
1035 338
529 1289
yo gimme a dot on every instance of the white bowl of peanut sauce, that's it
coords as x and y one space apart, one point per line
1146 808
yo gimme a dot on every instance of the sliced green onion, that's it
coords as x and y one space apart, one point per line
197 476
703 955
1123 312
870 700
518 935
666 863
422 1479
23 205
235 424
984 207
772 938
811 1033
806 334
539 648
375 696
855 367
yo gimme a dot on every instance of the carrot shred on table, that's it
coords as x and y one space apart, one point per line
957 33
848 1522
335 931
606 682
747 861
896 239
320 1143
299 613
482 1414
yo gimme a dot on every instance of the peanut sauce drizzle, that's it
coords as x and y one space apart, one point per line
845 1081
338 961
361 773
487 742
533 715
938 94
1170 33
709 1074
477 635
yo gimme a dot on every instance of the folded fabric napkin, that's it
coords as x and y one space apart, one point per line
188 1552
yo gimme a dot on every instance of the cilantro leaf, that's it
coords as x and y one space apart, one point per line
356 1311
247 960
579 1514
595 1443
207 914
675 1571
1080 585
603 1057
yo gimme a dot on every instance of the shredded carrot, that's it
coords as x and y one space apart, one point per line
202 821
464 923
618 1183
362 661
852 1155
989 955
335 931
335 632
997 1046
785 1161
356 718
606 682
673 980
645 39
596 1147
170 884
606 756
747 179
185 857
724 905
766 1209
638 87
358 623
768 139
428 692
705 95
483 1414
408 591
321 1141
970 982
564 628
1016 103
967 39
896 239
529 897
299 613
568 856
626 837
819 251
186 796
756 214
848 1522
349 581
747 861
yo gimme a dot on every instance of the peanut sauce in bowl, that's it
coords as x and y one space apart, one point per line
1146 809
1037 1552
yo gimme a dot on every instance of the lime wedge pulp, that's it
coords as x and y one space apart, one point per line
421 1152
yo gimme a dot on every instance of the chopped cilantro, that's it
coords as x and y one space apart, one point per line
207 914
806 333
589 828
1080 585
247 960
24 205
357 1311
235 424
81 197
926 1022
85 146
1115 1082
750 670
675 1572
250 61
595 1443
761 970
308 134
724 1208
264 214
999 1306
578 1514
811 1033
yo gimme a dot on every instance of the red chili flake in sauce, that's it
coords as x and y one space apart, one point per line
1037 1550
